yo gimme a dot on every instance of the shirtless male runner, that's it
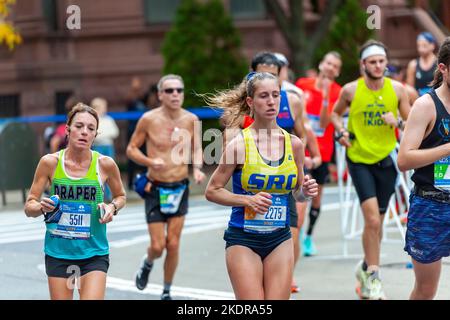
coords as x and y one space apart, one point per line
170 135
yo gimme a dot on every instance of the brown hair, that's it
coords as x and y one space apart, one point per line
443 57
78 108
233 101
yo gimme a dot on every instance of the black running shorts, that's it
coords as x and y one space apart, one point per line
320 173
293 215
261 244
152 202
64 268
374 180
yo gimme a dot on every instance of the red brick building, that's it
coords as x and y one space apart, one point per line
122 39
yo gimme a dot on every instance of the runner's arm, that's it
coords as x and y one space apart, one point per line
411 73
297 108
215 190
109 166
196 144
325 114
136 141
419 120
313 146
339 108
197 152
33 207
298 149
403 103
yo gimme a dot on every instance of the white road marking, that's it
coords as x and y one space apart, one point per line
154 289
175 292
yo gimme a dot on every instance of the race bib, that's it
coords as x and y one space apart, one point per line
442 174
273 219
170 199
315 125
75 222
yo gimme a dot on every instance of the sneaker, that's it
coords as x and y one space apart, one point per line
375 288
362 278
142 274
309 249
166 296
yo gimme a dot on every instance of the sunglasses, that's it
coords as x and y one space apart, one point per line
171 90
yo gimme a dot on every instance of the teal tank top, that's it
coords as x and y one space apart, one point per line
78 233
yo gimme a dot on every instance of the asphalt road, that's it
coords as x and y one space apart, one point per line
201 272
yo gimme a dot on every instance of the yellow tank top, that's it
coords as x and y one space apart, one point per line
259 176
374 139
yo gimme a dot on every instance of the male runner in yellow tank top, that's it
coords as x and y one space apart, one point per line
374 102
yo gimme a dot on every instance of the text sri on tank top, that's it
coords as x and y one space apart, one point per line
256 176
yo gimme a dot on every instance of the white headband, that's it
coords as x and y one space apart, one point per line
373 50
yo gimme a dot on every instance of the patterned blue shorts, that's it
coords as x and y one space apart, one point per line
428 230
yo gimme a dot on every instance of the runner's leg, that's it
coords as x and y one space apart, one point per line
245 270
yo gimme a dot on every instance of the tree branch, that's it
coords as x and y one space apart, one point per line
297 22
331 8
280 18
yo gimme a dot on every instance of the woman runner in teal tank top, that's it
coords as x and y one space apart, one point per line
76 245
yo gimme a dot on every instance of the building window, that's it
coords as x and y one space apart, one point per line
50 12
247 9
60 101
157 11
9 105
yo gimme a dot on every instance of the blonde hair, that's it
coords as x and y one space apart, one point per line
233 101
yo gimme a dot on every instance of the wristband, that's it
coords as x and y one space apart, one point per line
115 208
339 135
351 135
299 195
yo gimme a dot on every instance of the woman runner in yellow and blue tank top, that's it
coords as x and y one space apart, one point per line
266 164
76 245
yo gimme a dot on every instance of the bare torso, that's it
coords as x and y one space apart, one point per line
171 141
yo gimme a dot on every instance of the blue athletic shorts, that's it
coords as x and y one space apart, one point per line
261 244
428 230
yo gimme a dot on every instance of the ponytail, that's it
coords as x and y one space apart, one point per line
438 78
234 101
444 58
